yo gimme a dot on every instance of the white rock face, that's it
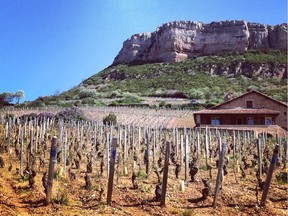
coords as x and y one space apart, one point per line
179 40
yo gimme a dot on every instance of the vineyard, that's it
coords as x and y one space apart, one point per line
148 163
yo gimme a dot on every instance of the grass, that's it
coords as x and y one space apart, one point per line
187 212
142 175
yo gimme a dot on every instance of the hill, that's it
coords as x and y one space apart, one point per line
204 78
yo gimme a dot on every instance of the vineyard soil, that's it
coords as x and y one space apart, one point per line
17 198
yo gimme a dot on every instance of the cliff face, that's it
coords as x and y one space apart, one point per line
179 40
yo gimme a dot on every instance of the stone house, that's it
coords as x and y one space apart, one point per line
251 109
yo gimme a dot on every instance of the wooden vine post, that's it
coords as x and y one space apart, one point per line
181 149
31 142
234 159
219 174
111 173
206 146
165 174
147 154
21 152
285 153
269 175
53 153
186 158
259 150
107 152
198 145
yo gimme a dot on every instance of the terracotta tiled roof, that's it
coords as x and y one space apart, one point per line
239 111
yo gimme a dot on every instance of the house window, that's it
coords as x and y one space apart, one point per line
268 120
239 121
249 104
198 119
250 121
215 121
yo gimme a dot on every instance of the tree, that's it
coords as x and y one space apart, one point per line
6 98
19 95
110 119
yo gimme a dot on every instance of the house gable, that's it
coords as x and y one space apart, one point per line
252 99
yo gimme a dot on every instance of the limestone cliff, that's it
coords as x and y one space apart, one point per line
179 40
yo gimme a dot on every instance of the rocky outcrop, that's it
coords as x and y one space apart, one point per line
179 40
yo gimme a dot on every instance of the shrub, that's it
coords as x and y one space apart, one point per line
87 93
212 102
9 115
196 93
115 94
252 87
110 119
89 101
142 175
282 177
73 113
77 103
162 104
37 103
187 212
168 106
128 99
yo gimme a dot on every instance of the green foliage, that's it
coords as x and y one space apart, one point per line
62 198
9 115
6 98
278 93
142 175
24 177
213 102
110 119
196 94
115 94
128 99
87 93
89 101
162 104
187 212
252 87
282 177
19 95
187 79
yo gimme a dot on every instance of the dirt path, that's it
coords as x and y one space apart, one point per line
10 202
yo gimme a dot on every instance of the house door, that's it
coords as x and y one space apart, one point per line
239 121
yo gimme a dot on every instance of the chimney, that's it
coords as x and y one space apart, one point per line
229 95
226 96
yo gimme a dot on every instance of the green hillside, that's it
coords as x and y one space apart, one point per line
204 78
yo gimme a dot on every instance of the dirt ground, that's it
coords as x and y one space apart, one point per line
237 196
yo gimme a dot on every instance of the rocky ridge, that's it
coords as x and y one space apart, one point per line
180 40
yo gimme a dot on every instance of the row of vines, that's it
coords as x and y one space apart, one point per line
84 150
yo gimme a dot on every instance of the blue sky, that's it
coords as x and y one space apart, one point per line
49 46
